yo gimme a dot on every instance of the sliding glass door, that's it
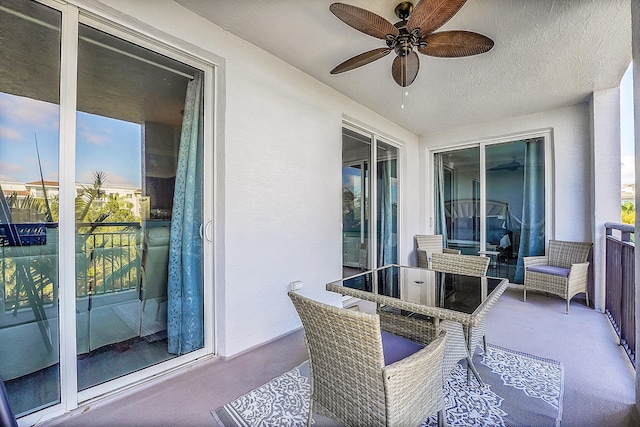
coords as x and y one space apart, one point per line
138 140
128 198
29 162
490 200
369 206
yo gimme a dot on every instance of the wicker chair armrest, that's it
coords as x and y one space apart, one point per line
423 260
580 268
451 251
535 260
413 385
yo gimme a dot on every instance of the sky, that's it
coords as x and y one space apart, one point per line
627 144
103 144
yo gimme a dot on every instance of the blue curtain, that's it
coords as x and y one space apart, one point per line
438 177
386 252
533 211
185 322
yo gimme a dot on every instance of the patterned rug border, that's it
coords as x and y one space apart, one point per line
543 359
228 415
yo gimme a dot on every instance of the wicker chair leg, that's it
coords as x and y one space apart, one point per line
567 312
586 294
525 294
472 368
484 344
442 418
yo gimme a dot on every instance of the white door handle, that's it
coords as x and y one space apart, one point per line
207 231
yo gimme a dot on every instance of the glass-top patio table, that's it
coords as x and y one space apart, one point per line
418 291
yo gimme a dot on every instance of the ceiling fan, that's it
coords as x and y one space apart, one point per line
414 31
511 166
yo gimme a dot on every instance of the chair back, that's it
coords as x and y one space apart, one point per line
429 242
346 360
460 264
563 254
155 265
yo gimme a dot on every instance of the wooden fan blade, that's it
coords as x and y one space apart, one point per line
360 60
453 44
429 15
405 69
363 20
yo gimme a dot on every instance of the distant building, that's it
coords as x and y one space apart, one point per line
34 189
628 193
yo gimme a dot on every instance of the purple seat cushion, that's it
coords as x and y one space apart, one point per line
549 269
397 348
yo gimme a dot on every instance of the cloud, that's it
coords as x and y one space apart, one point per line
10 171
91 135
21 111
10 133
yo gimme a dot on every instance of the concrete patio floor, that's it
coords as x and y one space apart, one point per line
599 378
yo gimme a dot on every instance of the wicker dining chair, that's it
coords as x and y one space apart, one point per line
470 265
563 271
362 376
428 244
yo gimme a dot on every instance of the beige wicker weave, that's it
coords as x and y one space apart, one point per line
349 381
569 255
469 265
428 244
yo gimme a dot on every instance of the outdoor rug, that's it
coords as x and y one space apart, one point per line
520 390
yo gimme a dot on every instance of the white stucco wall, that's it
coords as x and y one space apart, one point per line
571 154
279 191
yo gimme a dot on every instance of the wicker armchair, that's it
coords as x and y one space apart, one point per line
350 380
429 244
563 271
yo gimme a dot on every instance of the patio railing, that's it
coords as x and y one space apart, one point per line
620 284
107 262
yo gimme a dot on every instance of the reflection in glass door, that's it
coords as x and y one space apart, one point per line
361 251
356 153
515 205
138 208
29 163
507 220
387 204
129 220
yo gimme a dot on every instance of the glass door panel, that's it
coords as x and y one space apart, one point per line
515 187
506 220
387 204
29 146
459 198
138 208
504 188
356 155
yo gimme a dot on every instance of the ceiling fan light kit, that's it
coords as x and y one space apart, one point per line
414 32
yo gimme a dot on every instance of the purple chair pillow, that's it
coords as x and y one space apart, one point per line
397 348
549 269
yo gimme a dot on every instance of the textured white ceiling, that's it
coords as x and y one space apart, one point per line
547 54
